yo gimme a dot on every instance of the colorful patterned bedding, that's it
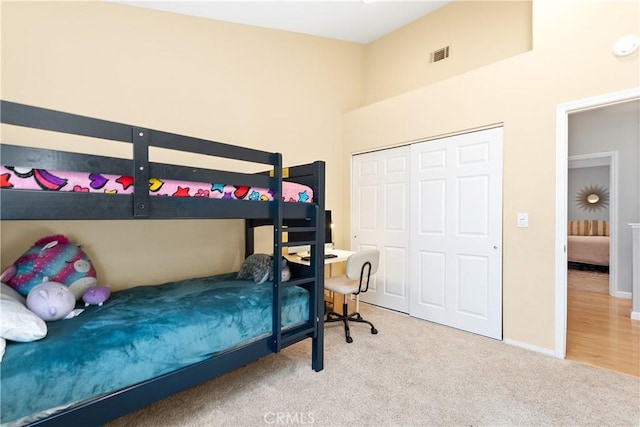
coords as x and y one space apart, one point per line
40 179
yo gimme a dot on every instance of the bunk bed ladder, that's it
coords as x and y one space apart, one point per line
312 223
277 214
314 228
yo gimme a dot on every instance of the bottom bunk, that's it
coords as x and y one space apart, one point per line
143 344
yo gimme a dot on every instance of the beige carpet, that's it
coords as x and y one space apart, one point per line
413 373
588 280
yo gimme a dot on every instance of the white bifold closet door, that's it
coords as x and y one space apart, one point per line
380 219
434 209
456 238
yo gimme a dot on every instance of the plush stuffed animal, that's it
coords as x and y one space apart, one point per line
96 295
52 258
259 267
51 301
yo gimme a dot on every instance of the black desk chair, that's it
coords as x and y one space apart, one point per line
359 269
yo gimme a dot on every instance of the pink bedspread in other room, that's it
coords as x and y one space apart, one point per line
40 179
588 249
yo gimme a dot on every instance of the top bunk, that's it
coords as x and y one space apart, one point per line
41 183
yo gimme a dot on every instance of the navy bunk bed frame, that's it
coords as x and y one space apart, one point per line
296 217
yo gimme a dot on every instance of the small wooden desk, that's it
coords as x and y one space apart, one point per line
342 256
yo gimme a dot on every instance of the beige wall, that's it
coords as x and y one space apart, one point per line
571 59
280 91
259 88
477 33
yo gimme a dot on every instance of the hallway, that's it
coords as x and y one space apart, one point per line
599 329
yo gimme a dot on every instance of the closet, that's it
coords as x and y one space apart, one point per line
434 209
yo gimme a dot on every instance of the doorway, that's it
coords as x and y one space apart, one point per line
596 172
562 138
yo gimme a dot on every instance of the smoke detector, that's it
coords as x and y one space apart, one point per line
626 45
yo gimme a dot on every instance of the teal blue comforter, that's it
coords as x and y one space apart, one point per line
136 335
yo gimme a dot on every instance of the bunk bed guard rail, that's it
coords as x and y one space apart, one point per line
16 204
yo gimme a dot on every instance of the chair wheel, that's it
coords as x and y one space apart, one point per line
349 339
374 331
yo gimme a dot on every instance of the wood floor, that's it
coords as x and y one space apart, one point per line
599 329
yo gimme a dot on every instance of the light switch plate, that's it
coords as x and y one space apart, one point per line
523 219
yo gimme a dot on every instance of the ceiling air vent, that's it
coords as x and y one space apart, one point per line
440 54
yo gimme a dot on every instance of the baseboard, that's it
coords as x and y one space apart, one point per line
635 315
530 347
621 294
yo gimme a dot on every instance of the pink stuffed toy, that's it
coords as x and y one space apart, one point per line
53 258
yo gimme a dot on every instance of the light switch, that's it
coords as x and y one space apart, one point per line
523 219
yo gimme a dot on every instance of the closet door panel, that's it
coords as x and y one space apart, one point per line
456 255
431 206
432 279
395 279
380 218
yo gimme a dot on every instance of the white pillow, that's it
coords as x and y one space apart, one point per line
3 344
11 293
17 322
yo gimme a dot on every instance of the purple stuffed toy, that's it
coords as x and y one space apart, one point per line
96 295
51 301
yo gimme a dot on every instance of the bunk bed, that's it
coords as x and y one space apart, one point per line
292 309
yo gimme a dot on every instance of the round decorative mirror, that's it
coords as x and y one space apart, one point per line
592 198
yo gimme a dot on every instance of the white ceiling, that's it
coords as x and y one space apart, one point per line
360 21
